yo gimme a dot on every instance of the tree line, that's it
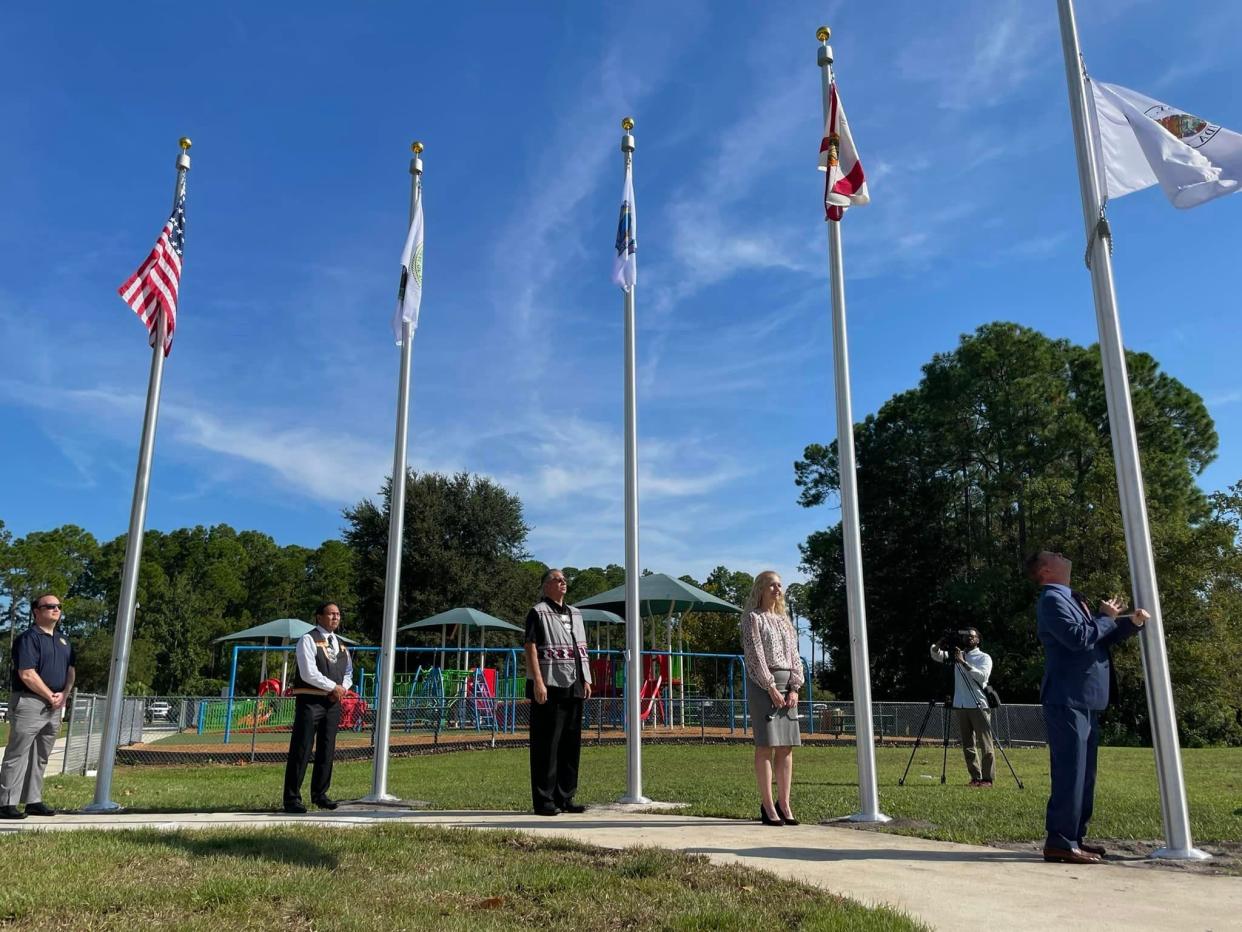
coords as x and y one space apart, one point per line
465 544
1000 449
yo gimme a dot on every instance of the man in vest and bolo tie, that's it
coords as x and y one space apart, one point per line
558 682
324 674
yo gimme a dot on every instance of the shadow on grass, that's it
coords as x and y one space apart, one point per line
279 847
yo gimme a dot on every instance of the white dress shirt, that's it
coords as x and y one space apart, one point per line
968 681
307 667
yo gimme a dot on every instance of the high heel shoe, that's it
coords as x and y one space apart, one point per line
786 818
763 817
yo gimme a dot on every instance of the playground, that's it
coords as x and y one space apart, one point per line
439 703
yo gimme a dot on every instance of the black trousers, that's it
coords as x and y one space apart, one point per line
555 746
315 721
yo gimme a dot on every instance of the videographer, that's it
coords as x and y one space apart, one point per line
971 669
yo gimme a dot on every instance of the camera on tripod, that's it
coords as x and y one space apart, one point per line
955 639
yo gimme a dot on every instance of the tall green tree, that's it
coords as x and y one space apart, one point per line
465 543
1001 449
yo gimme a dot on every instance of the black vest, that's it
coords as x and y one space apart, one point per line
332 669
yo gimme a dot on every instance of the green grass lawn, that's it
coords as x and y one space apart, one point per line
393 877
717 780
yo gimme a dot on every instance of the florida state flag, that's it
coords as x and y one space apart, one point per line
846 184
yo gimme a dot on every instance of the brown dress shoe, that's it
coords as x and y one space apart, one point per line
1070 856
1092 849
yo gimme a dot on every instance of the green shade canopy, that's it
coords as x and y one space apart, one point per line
466 617
661 594
286 628
600 616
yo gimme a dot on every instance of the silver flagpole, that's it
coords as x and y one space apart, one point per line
396 530
633 623
133 550
1174 811
860 664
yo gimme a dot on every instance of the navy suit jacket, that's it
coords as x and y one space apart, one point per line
1076 649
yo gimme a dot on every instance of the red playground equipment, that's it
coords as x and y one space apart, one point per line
649 700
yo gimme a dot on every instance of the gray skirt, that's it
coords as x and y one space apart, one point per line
782 731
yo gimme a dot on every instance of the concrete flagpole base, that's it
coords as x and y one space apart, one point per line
385 801
1181 854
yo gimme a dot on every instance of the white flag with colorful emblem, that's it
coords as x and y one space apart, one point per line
846 184
410 291
1140 142
625 266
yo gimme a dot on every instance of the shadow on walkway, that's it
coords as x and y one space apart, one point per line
870 854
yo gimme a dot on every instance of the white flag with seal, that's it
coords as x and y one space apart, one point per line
1140 142
625 267
410 291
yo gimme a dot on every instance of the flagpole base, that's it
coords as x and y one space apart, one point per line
388 801
1181 854
876 817
633 801
106 806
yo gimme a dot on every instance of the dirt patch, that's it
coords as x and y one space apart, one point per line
1226 855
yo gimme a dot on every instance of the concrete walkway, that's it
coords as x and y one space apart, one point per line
949 886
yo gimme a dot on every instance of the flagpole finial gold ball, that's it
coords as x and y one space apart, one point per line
417 148
185 143
627 124
823 33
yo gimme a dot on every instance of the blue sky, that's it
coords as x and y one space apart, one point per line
280 391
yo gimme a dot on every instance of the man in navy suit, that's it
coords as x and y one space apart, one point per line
1074 692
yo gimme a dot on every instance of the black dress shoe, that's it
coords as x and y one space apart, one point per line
547 810
295 808
575 808
323 802
1097 850
39 809
1070 856
11 812
763 817
785 816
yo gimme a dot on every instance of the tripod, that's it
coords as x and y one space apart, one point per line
958 666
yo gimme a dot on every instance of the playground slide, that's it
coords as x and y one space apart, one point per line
650 694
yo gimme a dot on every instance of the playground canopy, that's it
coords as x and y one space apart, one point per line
463 619
661 594
466 617
601 616
289 629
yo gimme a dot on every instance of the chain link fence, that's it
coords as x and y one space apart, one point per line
209 729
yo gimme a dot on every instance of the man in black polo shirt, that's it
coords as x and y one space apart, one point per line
323 675
43 676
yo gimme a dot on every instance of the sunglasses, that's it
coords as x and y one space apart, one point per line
49 608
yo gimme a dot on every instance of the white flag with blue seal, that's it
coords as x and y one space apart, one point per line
410 291
625 268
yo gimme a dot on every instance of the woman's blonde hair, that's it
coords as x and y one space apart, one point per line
756 595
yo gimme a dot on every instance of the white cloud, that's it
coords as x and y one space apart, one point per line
983 55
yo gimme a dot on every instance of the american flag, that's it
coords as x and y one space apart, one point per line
154 285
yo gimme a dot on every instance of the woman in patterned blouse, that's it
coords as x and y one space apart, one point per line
773 678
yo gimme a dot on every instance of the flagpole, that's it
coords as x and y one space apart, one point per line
133 547
860 664
1174 811
633 624
396 530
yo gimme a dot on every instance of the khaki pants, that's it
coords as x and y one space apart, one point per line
32 732
975 727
